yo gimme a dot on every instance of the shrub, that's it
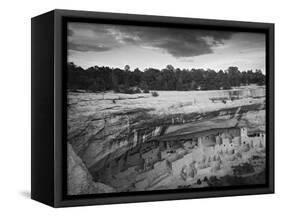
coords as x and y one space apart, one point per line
127 90
154 93
205 179
137 90
146 91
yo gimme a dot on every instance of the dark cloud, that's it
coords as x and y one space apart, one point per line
185 49
177 42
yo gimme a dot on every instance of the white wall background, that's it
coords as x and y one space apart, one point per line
15 106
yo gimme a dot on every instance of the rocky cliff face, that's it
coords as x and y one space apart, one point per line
79 179
103 128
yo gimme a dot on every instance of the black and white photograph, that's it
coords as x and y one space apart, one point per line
140 108
160 108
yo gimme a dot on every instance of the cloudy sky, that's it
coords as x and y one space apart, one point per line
144 47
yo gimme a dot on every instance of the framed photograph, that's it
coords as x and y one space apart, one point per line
134 108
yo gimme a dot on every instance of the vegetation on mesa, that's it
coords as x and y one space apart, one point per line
97 79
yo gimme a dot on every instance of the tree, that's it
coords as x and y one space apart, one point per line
170 68
127 68
234 75
99 79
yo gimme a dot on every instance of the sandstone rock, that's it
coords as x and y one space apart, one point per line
79 179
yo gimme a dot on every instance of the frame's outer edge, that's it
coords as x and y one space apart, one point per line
42 113
271 97
58 106
59 200
161 19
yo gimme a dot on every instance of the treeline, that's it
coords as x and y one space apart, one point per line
102 78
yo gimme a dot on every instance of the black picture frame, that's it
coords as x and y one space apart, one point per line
48 148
